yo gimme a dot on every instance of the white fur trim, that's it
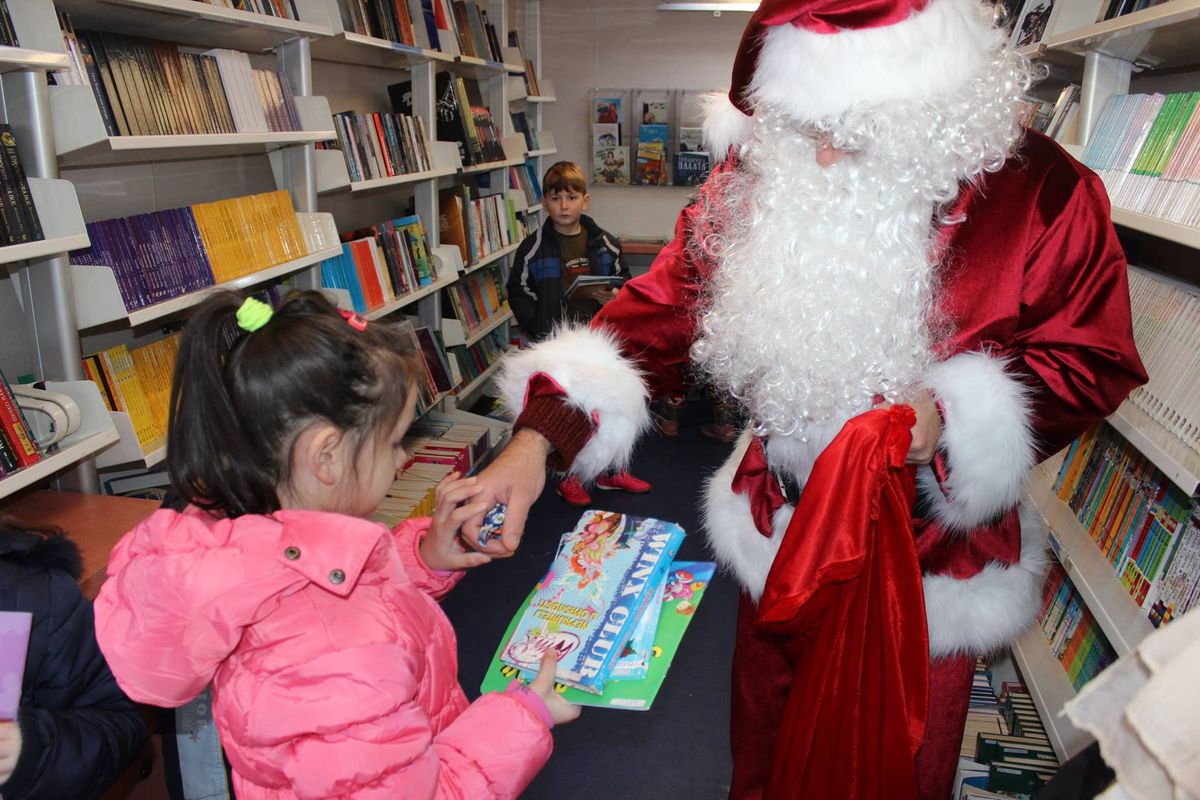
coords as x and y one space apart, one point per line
729 525
981 614
812 75
987 439
587 363
725 125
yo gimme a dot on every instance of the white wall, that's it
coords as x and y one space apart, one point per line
612 44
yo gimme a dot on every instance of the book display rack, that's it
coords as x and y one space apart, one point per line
326 62
1109 54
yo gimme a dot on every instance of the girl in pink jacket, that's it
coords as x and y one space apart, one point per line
333 669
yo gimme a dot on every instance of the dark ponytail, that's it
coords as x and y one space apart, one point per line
235 411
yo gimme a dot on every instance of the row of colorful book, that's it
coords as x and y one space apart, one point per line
452 27
478 226
477 359
138 383
478 298
1143 524
612 609
381 263
165 254
525 181
380 144
1075 638
19 222
462 116
1146 149
532 87
18 445
1166 317
1054 118
435 448
145 87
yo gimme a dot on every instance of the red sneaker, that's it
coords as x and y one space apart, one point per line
571 489
622 481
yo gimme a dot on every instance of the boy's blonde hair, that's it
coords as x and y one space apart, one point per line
564 176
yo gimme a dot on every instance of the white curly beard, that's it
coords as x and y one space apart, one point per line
823 294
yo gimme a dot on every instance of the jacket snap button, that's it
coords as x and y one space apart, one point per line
337 576
292 553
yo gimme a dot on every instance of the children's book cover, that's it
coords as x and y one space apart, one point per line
584 609
606 110
14 643
611 165
650 167
683 590
691 139
605 135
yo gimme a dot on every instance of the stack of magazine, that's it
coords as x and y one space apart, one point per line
612 608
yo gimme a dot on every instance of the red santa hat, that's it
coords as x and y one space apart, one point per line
816 58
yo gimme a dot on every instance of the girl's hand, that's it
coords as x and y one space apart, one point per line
10 748
543 686
441 548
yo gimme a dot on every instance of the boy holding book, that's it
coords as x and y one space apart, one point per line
544 287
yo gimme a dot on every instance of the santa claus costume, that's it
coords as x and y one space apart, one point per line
942 250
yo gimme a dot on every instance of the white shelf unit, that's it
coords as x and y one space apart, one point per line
333 176
41 44
95 433
456 334
200 23
1103 57
491 258
468 390
82 140
407 300
62 222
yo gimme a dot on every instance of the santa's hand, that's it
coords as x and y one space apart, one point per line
515 478
927 432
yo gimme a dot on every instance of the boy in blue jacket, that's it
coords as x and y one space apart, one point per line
568 244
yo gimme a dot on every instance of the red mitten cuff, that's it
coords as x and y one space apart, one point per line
546 411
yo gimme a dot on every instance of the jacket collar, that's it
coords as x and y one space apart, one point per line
331 550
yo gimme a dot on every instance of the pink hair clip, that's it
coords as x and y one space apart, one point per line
357 321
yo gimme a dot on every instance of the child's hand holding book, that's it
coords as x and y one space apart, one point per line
441 548
543 687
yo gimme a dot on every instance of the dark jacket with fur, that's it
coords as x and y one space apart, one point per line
79 730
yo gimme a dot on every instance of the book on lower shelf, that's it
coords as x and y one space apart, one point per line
479 225
477 300
18 445
644 667
382 263
1143 524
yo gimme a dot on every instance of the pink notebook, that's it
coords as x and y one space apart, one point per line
14 643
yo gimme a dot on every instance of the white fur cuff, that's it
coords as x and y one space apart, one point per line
987 439
986 612
588 365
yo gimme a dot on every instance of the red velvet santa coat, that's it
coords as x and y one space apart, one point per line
1034 285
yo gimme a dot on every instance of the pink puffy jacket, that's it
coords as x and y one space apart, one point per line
334 670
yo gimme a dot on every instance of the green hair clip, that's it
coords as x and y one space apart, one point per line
253 315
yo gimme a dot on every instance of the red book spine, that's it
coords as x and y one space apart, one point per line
16 430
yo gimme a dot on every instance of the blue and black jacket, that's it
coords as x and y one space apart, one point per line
535 291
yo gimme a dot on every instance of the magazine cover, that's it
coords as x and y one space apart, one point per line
604 574
682 593
606 110
605 135
691 140
650 167
611 165
691 168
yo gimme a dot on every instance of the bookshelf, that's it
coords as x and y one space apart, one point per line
79 309
1155 47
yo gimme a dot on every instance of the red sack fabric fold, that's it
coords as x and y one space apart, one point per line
846 588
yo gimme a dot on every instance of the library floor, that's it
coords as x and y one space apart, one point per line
680 747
